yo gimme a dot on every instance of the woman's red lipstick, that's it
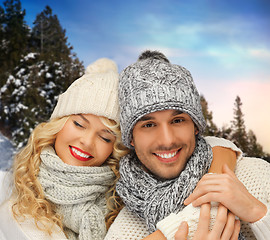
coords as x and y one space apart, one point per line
80 154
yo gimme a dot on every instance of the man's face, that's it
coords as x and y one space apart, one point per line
164 141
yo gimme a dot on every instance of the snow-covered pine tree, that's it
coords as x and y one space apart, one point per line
30 92
14 36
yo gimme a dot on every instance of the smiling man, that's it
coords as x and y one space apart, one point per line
164 157
161 119
162 123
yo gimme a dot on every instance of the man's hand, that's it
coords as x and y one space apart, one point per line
225 227
229 191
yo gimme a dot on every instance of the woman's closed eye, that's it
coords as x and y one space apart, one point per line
106 139
78 124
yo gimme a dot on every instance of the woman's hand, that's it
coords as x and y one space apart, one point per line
225 227
229 191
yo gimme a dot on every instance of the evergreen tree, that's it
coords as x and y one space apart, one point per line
224 132
211 128
239 135
31 92
14 37
254 148
48 37
19 97
2 42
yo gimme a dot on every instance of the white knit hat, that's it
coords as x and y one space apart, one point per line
93 93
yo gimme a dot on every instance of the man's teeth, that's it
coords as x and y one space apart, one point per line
80 153
167 155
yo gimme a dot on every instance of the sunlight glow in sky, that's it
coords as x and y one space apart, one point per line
225 45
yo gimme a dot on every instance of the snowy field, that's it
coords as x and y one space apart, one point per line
6 153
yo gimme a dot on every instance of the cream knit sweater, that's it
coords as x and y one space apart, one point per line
255 175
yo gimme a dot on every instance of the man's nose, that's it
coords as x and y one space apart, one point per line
166 135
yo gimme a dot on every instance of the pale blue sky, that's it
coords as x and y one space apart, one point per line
225 44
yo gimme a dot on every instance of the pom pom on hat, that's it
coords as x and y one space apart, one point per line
102 65
153 55
93 93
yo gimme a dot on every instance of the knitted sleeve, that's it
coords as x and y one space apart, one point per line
255 175
169 225
127 226
258 184
261 228
222 142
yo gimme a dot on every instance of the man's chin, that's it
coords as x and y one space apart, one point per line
163 174
166 176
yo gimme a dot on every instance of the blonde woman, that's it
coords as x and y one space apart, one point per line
64 177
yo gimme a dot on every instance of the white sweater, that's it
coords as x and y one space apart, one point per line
24 230
253 172
10 229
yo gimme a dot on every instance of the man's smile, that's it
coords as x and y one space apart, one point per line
169 156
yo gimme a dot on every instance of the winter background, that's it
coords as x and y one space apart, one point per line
225 45
7 151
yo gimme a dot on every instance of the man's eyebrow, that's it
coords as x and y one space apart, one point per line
85 119
146 118
177 112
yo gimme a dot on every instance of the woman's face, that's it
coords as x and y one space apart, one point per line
84 141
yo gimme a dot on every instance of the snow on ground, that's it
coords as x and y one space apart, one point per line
6 153
6 156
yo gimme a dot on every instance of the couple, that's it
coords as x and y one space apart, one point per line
64 178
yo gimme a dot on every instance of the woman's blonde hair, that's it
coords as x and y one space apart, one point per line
30 199
114 202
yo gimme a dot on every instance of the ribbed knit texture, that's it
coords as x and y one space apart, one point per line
191 215
78 194
255 175
96 92
153 199
154 84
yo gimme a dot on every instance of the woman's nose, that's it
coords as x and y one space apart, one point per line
88 139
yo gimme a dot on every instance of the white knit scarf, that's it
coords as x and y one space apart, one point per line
78 194
153 199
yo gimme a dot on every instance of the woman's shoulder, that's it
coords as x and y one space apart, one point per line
26 229
5 185
252 165
9 228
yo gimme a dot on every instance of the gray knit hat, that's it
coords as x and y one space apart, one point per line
96 92
154 84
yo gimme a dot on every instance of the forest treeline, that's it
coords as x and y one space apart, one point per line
37 64
235 131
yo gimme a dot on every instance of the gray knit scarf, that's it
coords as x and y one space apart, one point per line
153 199
78 194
